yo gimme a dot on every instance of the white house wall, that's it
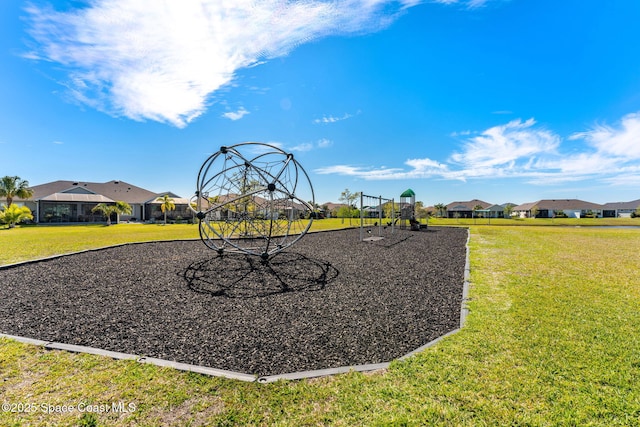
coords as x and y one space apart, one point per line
573 213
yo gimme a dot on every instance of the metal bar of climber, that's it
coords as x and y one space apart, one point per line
235 184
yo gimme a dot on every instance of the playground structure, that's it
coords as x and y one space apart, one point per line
408 210
249 199
373 221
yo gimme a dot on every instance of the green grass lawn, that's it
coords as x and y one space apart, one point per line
552 338
25 243
569 222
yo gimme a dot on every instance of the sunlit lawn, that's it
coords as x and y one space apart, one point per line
29 242
552 338
570 222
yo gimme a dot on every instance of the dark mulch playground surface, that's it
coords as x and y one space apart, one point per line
328 301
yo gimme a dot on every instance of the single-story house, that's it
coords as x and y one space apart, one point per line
549 208
153 209
495 211
73 201
620 209
465 209
331 209
372 211
233 206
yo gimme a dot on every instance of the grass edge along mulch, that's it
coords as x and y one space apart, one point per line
552 338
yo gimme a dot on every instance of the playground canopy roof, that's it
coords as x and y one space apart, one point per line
408 193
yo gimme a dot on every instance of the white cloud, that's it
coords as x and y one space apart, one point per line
332 119
461 133
527 151
628 179
471 4
476 3
426 165
308 146
324 143
420 168
235 115
362 172
502 146
611 153
623 141
340 170
146 59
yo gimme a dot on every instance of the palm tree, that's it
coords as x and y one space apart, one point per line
107 210
119 208
13 214
422 212
441 208
534 212
476 208
508 210
167 205
14 186
122 208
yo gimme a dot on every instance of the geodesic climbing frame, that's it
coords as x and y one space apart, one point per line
252 198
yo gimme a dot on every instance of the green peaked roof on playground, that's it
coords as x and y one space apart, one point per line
408 193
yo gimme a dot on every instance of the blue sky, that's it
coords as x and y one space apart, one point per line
500 100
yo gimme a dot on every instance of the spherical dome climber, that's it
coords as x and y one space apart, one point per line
250 198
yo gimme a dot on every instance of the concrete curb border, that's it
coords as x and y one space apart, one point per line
49 345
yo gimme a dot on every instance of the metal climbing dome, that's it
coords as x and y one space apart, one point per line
252 198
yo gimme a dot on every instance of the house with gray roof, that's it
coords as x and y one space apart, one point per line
73 201
465 209
549 208
497 211
620 209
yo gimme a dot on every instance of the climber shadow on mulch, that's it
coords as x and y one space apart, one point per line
245 276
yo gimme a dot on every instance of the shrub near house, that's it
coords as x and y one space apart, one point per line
14 214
